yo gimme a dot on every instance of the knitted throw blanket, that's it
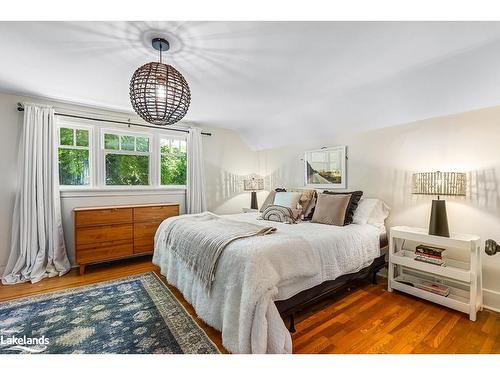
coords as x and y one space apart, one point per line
198 241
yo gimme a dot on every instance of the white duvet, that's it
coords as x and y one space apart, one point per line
254 272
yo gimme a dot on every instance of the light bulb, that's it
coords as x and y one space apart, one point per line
161 92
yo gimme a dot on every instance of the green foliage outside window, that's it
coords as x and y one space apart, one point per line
142 144
111 142
127 169
73 161
173 162
66 136
73 166
173 170
128 143
82 137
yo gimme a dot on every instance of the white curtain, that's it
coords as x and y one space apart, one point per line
37 244
195 197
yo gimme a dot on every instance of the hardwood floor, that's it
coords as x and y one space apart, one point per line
367 319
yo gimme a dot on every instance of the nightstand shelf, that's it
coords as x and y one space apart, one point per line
457 299
454 269
461 273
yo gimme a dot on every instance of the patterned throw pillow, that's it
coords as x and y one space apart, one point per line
269 201
280 214
270 198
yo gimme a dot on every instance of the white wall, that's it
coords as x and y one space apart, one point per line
227 159
382 161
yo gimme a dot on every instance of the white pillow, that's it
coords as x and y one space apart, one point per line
371 211
287 199
363 211
379 214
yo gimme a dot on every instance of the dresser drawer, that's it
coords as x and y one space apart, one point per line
146 229
155 213
103 217
103 251
104 233
144 234
144 245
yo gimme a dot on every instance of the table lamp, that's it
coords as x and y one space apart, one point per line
439 183
253 184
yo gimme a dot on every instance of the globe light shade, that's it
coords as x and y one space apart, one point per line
159 93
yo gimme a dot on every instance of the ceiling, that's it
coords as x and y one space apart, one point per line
275 83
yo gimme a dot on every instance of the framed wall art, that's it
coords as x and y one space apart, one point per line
326 168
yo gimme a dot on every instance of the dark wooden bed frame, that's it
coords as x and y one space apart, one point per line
327 289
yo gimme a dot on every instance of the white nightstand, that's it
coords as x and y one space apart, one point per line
462 273
245 210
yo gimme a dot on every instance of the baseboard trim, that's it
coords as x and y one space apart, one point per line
491 300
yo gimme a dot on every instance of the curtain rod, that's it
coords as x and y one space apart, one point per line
20 108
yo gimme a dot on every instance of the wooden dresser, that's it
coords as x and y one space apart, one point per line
114 232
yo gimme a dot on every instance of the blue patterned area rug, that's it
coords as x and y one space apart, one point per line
137 314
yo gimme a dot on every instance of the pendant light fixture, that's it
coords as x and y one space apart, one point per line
158 92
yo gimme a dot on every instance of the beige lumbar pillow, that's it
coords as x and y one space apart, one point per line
331 209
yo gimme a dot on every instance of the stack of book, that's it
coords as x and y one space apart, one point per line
429 286
430 254
435 288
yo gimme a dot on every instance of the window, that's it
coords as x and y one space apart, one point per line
173 161
95 157
74 156
126 159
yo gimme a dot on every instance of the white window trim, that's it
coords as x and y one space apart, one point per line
97 154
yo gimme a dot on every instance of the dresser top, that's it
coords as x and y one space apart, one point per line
124 206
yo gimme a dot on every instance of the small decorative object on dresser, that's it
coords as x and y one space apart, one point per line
253 184
455 281
114 232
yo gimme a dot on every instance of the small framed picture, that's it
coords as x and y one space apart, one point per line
326 168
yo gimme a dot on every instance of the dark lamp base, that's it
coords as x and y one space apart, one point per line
253 202
438 225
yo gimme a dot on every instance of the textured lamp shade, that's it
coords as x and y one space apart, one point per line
253 184
439 183
159 93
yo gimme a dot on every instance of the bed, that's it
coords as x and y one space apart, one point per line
260 279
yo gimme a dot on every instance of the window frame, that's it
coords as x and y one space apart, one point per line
90 148
97 155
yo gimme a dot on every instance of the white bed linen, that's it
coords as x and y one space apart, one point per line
254 272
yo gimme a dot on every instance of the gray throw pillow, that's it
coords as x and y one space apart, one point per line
331 209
